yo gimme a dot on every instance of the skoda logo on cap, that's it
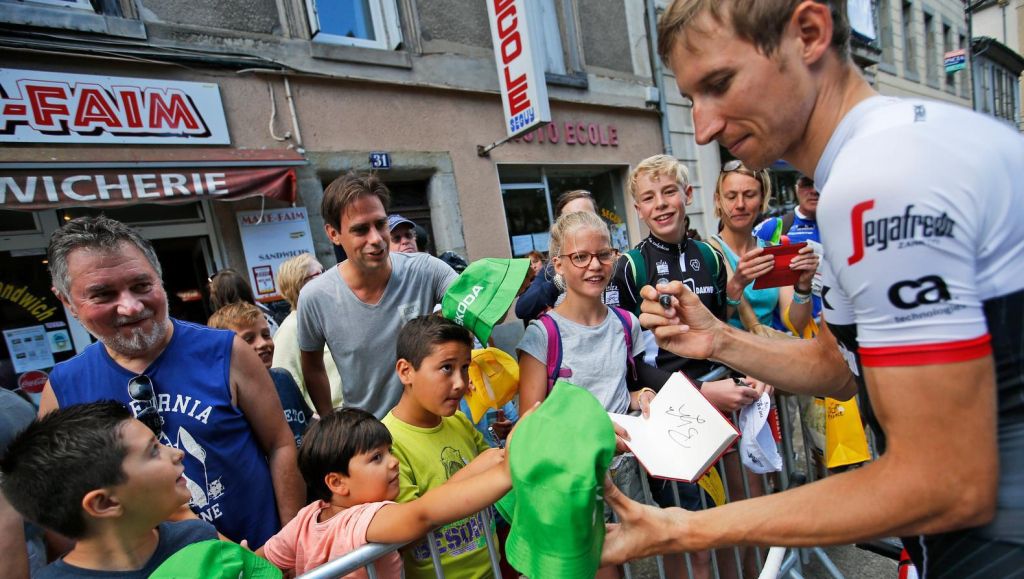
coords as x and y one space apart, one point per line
460 310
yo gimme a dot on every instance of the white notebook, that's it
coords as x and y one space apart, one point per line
684 434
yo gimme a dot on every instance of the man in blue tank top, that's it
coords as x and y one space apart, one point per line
204 391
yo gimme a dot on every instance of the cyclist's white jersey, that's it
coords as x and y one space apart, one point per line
921 223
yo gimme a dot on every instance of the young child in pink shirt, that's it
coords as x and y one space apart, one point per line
347 462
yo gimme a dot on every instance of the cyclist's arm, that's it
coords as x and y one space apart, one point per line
938 474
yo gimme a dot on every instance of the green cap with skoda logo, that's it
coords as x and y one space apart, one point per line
481 296
556 505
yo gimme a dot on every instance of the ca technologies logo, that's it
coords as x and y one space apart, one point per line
460 310
907 229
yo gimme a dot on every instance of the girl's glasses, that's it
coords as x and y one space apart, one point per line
582 259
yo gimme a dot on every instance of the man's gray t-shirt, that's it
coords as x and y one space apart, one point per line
361 337
596 355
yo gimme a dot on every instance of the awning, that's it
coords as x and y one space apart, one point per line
149 177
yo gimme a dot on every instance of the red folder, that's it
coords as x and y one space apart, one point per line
780 274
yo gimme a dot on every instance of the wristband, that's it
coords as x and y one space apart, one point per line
801 298
732 302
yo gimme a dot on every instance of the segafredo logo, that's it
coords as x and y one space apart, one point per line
460 310
903 230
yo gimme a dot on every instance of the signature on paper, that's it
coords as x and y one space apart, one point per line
687 428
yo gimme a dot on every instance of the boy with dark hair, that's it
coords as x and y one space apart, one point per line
93 473
249 323
433 441
349 468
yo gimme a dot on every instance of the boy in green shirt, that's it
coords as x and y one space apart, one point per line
433 441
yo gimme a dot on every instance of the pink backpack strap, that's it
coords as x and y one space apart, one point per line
554 361
627 328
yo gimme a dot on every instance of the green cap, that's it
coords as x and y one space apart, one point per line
558 526
481 296
215 559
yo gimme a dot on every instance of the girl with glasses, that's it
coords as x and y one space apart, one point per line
597 355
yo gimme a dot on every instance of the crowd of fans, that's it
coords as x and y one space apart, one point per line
165 435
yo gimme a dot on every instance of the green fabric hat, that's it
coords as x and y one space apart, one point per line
215 559
558 521
481 296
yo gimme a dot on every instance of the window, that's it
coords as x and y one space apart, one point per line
364 23
999 92
885 29
82 4
554 24
909 54
931 61
529 194
107 17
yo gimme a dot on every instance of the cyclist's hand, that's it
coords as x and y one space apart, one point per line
686 328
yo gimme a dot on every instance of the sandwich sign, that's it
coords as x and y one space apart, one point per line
48 107
524 94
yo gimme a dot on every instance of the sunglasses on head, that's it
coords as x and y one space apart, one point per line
736 165
146 409
731 166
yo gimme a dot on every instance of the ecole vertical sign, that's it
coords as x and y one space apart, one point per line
524 93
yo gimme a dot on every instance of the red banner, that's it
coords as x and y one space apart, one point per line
51 189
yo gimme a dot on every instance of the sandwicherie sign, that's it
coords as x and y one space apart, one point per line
47 189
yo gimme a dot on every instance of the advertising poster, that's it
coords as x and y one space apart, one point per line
269 238
29 348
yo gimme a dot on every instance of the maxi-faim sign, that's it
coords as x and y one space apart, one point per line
46 107
524 94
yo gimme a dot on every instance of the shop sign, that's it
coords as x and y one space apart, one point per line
955 60
32 382
269 238
48 189
524 92
40 307
574 133
48 107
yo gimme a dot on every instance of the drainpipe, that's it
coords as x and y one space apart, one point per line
658 72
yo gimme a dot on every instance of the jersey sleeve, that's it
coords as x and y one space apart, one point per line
903 246
621 291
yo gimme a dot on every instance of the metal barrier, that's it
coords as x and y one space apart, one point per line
776 562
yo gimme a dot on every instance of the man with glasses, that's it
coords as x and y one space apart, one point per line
923 294
203 391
